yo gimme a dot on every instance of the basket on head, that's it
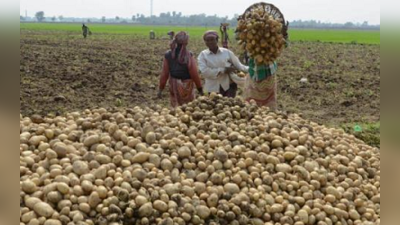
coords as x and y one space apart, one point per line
267 8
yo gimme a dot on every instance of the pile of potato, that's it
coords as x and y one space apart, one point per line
213 161
261 36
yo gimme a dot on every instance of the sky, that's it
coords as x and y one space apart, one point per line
334 11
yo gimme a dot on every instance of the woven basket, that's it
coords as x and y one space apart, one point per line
268 8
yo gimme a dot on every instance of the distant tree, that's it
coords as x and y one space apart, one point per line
61 18
349 25
89 21
176 18
40 16
192 18
103 19
21 18
53 18
141 18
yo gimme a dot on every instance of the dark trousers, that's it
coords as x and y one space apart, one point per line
231 92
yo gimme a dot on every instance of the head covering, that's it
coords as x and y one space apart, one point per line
211 33
181 40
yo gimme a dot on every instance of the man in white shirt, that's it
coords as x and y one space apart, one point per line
216 64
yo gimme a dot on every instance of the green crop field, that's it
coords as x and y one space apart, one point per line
339 36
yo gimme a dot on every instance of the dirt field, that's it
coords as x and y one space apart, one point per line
62 72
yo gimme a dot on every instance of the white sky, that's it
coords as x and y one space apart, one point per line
340 11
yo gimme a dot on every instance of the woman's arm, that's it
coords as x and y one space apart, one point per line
236 62
194 72
164 75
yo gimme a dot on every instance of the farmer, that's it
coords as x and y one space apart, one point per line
224 35
180 69
261 85
217 64
171 35
152 35
85 30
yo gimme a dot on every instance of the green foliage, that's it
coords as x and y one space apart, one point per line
119 102
40 16
335 36
370 133
307 65
332 85
195 32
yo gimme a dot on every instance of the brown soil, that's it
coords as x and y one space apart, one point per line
62 72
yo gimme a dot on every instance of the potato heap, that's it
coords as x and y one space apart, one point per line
213 161
261 36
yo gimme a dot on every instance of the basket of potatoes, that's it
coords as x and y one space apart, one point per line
262 32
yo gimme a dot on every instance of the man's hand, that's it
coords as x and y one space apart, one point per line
159 94
229 70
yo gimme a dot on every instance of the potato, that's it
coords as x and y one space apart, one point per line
52 222
231 188
43 209
141 157
61 149
31 202
203 211
94 200
146 210
29 216
303 215
150 138
184 152
81 167
28 187
160 206
91 140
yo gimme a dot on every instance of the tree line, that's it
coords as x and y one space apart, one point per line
177 19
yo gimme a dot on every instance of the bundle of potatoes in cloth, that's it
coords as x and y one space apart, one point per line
260 30
213 161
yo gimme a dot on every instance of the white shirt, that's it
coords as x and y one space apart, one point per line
212 67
